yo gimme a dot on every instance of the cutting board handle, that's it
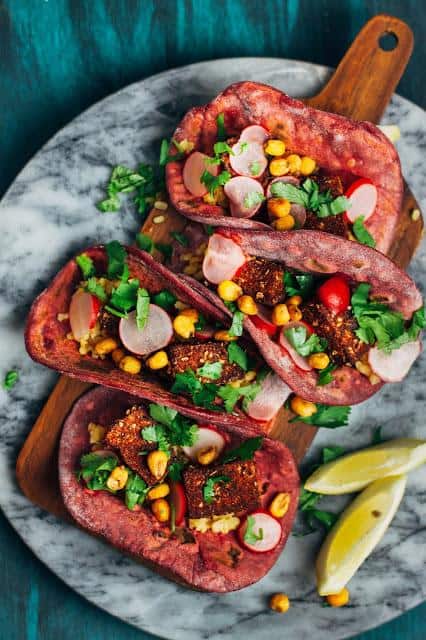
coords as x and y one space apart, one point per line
367 76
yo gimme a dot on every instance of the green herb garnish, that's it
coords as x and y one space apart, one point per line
325 375
142 308
136 490
180 237
298 338
124 297
377 436
245 451
254 168
95 470
166 157
86 265
165 299
250 536
210 370
323 204
96 289
361 233
10 379
252 199
179 431
145 242
301 284
175 470
117 265
213 182
236 355
208 489
330 417
236 328
220 123
231 395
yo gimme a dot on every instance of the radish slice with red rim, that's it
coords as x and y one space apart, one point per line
245 195
394 366
362 195
271 397
156 334
298 360
207 436
264 527
254 133
193 169
83 312
248 159
222 260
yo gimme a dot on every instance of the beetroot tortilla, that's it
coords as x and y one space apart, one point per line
337 144
204 564
47 343
320 254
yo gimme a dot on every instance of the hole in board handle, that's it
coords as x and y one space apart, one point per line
388 41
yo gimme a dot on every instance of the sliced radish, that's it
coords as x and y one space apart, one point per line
285 180
156 334
362 195
83 311
254 133
193 169
245 195
263 320
248 159
298 360
222 260
179 501
207 436
394 366
265 526
271 397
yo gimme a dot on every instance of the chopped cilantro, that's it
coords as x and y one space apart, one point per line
250 536
236 328
331 453
175 470
245 451
213 182
330 417
179 431
324 375
309 196
220 123
252 199
136 490
145 242
210 370
165 249
10 379
254 168
165 299
157 433
122 180
95 470
231 395
180 237
142 308
298 338
96 289
208 489
377 436
124 297
361 233
301 284
209 229
117 265
236 355
165 156
86 265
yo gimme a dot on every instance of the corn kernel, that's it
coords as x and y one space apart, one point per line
229 291
117 478
338 599
200 524
157 463
96 432
319 360
105 346
191 313
191 268
296 300
224 336
200 251
161 510
183 326
364 368
236 384
207 456
160 491
278 167
302 408
279 505
280 602
225 524
131 365
275 147
415 214
284 224
247 305
295 313
294 163
280 315
117 355
308 166
158 361
374 379
279 207
250 376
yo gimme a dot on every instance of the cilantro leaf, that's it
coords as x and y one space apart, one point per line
86 265
295 195
236 355
186 382
298 338
122 180
377 436
124 297
301 284
96 289
324 375
208 489
254 168
231 395
252 199
323 204
163 415
165 299
180 237
166 157
210 370
10 379
331 453
236 328
330 417
95 470
142 308
175 470
250 536
136 490
117 265
220 123
157 433
245 451
145 242
361 233
212 182
173 428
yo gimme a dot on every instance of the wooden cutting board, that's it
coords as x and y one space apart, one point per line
360 88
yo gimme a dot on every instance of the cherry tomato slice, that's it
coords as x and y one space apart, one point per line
335 294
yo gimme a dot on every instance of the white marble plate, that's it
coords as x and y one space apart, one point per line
48 214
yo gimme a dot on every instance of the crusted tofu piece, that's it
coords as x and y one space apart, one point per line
108 323
339 331
239 495
335 225
263 280
125 435
329 183
185 355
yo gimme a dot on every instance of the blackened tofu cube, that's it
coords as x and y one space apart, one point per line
263 280
239 495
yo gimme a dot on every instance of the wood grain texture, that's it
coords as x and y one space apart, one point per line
59 56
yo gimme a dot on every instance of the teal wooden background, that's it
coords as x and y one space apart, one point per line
59 56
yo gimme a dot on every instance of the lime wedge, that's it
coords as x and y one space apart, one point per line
356 533
356 470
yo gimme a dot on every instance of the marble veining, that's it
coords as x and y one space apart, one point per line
47 215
